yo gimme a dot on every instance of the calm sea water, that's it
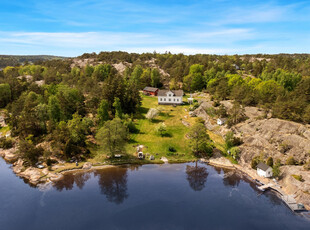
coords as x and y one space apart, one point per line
177 196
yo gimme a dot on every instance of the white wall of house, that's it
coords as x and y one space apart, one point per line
170 99
267 173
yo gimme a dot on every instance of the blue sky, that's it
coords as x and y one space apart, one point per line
73 27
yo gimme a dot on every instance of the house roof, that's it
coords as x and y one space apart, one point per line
150 89
222 119
177 93
263 166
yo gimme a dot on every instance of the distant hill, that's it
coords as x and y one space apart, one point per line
14 60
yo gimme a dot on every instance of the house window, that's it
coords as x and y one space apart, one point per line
164 99
173 99
169 99
161 99
177 99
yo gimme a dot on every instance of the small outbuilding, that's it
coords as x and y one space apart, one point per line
264 170
221 121
150 91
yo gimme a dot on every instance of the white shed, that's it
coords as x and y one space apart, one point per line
264 170
221 121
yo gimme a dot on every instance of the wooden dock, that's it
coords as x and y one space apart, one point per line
265 186
289 200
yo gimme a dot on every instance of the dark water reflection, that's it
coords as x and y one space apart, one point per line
113 184
196 176
183 196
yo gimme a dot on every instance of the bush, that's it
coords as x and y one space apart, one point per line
30 152
269 161
276 168
298 177
49 162
216 103
6 143
211 111
235 153
307 165
161 129
254 162
200 120
172 149
290 161
131 126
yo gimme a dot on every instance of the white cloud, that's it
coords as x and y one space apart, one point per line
262 13
121 40
223 41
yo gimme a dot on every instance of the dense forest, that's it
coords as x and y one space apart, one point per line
16 60
58 102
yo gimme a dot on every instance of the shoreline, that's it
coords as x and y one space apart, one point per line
34 175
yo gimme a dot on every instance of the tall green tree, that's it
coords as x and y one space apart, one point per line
101 72
103 112
54 108
112 136
155 77
200 140
118 108
5 94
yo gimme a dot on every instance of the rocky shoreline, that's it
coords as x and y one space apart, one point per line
41 177
287 187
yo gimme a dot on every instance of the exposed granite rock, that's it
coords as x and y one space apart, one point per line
32 174
87 165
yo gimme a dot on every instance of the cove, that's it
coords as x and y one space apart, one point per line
169 196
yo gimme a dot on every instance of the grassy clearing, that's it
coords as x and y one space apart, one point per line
176 131
153 142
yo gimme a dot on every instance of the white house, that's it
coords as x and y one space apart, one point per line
170 97
221 121
264 170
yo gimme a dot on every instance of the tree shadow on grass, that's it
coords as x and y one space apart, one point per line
132 141
167 114
166 135
156 121
143 110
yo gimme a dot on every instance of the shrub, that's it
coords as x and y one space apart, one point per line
307 165
49 162
284 148
172 149
269 161
131 126
6 143
235 153
254 162
161 129
298 177
290 161
211 111
200 120
30 152
276 169
216 103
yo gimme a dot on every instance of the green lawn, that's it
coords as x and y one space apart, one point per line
154 143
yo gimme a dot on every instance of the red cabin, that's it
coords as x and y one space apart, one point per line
150 91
